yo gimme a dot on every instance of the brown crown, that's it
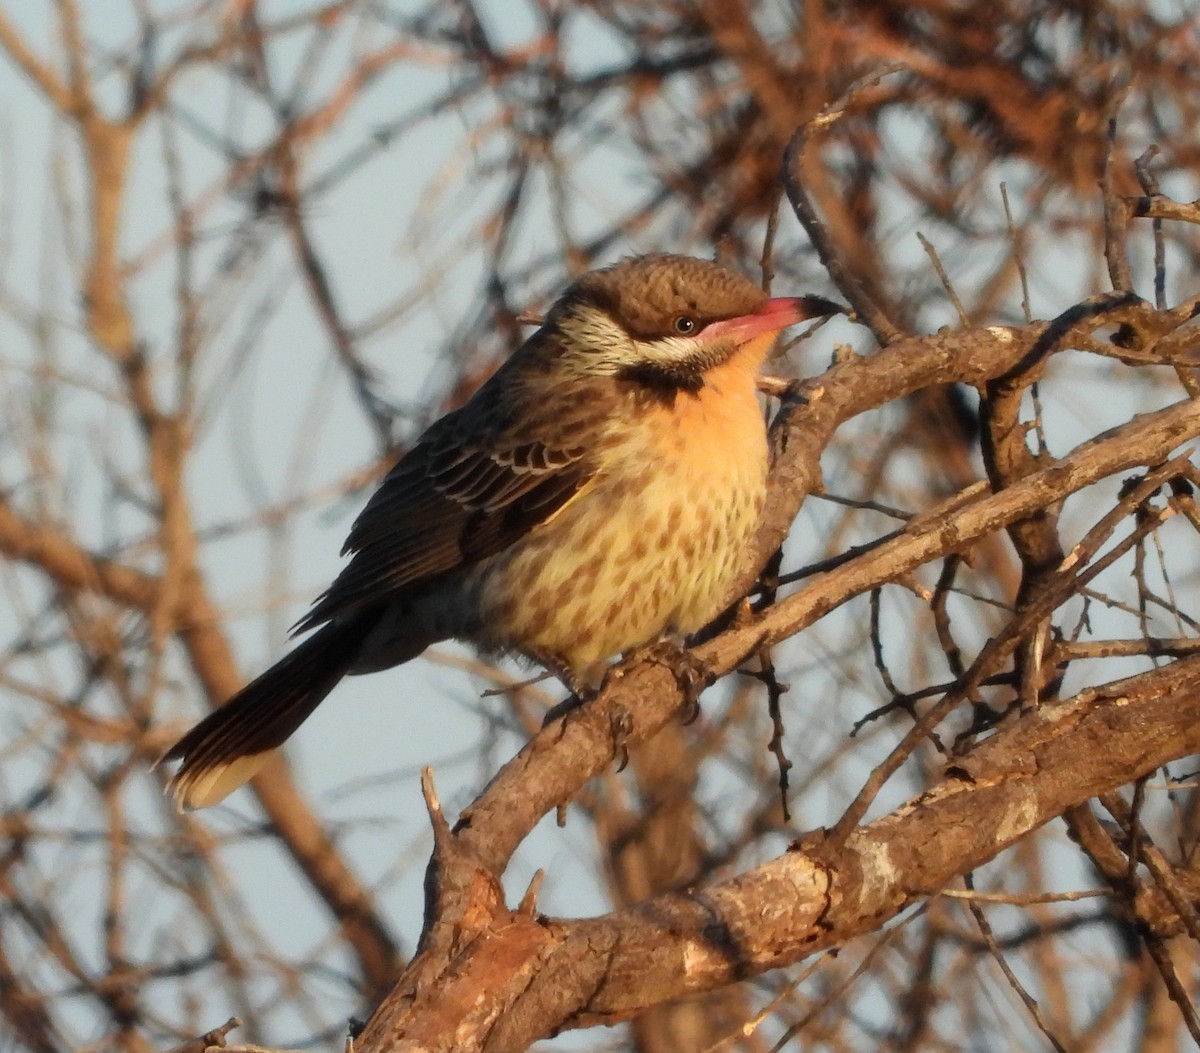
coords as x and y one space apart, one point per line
645 294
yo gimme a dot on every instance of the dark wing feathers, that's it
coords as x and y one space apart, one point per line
488 531
446 504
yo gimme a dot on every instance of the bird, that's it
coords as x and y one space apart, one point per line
598 493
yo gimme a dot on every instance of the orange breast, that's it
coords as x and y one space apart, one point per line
721 424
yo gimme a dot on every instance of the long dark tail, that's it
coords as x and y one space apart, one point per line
229 745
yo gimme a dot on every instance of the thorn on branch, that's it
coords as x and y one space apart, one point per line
214 1039
437 819
528 904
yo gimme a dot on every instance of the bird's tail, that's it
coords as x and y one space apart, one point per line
230 745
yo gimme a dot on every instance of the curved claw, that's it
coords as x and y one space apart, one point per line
620 726
691 674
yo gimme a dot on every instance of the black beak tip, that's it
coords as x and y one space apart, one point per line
819 307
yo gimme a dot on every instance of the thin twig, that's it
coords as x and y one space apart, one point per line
948 285
1027 999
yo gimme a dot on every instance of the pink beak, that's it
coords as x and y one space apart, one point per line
773 316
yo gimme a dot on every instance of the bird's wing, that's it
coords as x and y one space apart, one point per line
466 491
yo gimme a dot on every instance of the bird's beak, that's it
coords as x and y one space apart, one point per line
773 316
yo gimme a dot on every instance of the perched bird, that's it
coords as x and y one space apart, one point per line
600 490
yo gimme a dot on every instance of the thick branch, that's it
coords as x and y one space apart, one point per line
820 894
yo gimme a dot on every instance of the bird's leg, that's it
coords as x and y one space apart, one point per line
584 685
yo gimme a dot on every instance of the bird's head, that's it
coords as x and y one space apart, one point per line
667 320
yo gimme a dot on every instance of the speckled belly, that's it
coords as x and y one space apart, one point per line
617 573
652 547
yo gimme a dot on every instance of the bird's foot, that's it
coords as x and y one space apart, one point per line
620 727
691 674
620 721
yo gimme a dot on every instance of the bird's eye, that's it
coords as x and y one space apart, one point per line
685 324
